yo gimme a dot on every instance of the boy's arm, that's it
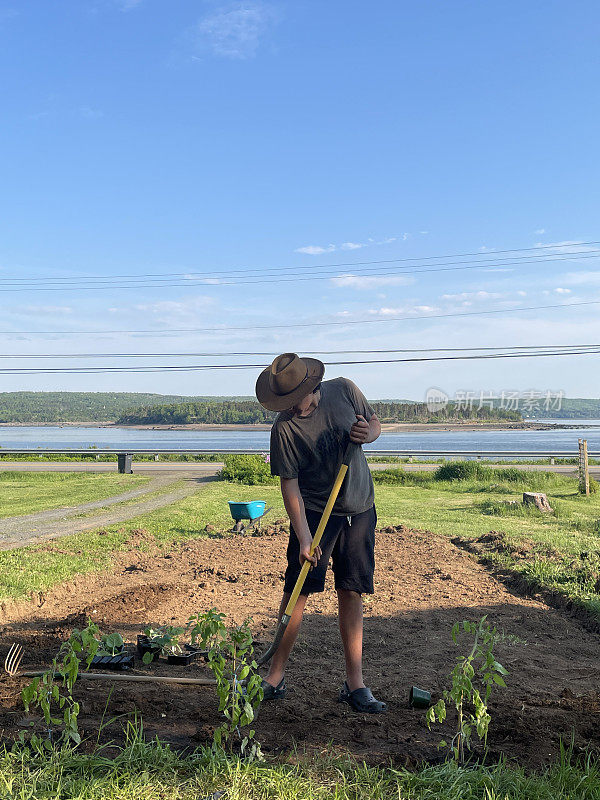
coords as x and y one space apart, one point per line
363 432
294 505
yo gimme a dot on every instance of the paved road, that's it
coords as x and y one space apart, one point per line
210 467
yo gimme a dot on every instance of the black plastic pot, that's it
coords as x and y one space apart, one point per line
419 698
146 645
183 659
119 662
192 648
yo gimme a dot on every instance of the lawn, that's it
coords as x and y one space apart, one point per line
28 492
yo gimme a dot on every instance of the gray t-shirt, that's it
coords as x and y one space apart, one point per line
311 449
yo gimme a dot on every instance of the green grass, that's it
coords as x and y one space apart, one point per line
141 771
95 455
28 492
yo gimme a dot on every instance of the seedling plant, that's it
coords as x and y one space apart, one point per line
166 638
473 679
239 686
111 644
52 693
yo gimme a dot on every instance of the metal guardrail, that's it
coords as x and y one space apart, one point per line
125 456
258 451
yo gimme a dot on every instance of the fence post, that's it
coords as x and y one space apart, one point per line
584 472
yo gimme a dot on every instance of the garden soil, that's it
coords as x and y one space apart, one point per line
424 584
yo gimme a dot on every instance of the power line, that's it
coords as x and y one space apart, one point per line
204 367
229 329
210 280
299 268
516 348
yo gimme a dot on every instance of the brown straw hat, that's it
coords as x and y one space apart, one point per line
287 381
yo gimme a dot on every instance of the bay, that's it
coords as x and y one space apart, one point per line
85 438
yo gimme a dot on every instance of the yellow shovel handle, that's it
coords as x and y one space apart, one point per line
317 538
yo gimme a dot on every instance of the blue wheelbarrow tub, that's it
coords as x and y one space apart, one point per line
252 510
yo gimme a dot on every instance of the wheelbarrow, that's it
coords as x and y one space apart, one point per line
252 511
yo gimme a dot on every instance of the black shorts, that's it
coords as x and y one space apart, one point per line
350 545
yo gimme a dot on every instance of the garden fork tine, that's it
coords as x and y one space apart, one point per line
12 662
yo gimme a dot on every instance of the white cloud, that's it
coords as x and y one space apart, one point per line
540 231
480 295
591 277
199 279
318 250
370 282
560 290
35 310
566 247
235 31
188 306
315 250
389 311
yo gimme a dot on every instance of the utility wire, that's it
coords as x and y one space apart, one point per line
208 280
516 348
202 367
229 329
297 268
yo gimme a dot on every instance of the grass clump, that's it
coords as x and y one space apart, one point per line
249 469
463 471
510 508
399 477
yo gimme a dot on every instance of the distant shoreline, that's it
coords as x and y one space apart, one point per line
394 427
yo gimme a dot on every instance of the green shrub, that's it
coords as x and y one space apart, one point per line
248 469
511 474
510 508
463 471
399 477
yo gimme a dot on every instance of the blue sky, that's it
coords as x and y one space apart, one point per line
146 137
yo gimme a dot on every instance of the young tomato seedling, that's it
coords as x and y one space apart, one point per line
473 678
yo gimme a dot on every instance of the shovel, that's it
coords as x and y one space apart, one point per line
289 609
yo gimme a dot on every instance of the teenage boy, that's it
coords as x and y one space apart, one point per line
317 419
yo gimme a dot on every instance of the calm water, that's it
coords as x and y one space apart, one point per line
112 438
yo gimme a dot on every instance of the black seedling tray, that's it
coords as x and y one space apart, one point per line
183 659
145 645
119 662
192 648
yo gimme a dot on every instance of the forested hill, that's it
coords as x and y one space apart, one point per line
250 412
140 408
38 407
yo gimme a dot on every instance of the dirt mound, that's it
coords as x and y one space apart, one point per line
423 584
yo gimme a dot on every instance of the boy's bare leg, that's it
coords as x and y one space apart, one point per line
282 654
351 630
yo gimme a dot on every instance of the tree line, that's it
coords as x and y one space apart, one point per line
250 412
145 408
